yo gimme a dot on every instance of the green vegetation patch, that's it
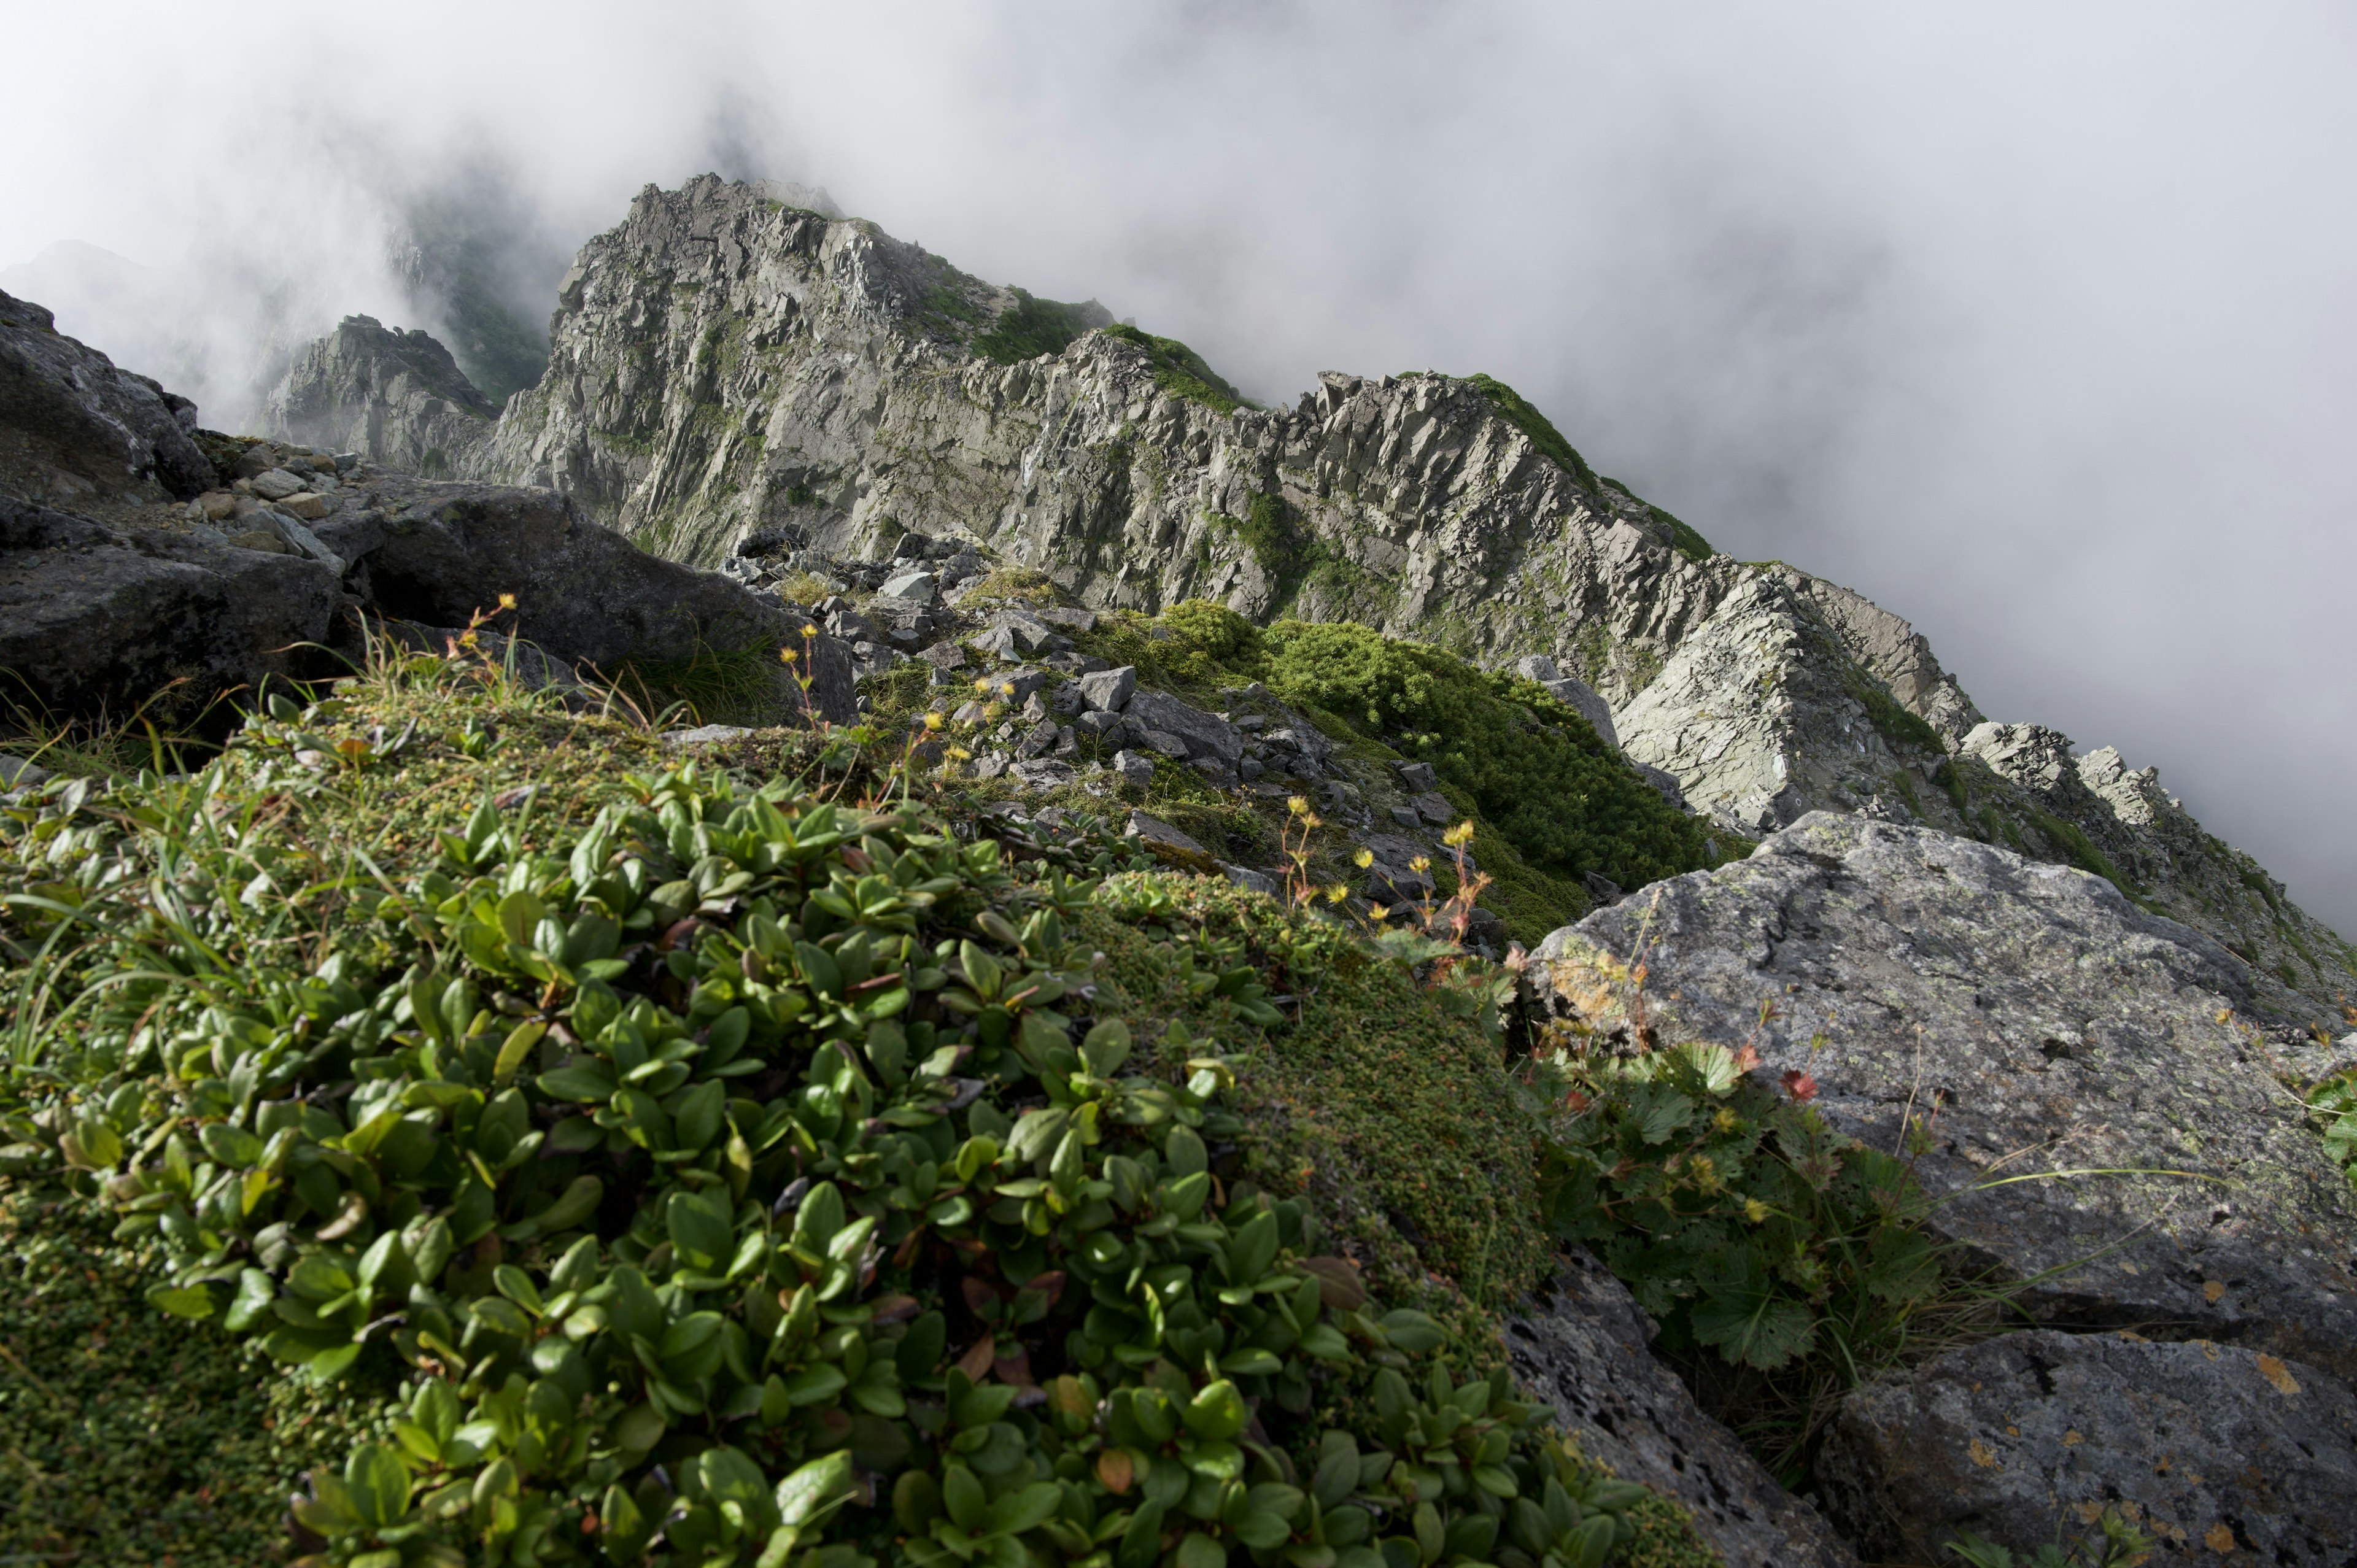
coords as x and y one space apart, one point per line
1517 410
124 1437
1534 766
687 1146
1032 326
1181 371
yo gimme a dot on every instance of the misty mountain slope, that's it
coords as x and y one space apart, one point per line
733 374
395 397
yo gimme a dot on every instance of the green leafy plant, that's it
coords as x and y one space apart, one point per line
686 1164
2115 1544
1518 412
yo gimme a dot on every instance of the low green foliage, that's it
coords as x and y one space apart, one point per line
2115 1542
1744 1223
1181 373
712 685
124 1438
1269 533
1517 410
2333 1109
1785 1261
2081 851
1535 768
1032 326
1686 539
687 1149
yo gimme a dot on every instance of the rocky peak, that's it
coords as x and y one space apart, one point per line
395 396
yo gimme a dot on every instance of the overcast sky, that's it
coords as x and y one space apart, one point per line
2036 324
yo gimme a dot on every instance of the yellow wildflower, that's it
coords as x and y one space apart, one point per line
934 721
1459 835
507 601
1363 859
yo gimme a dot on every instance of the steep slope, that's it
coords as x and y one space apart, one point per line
731 374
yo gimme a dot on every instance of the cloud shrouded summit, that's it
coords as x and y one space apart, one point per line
2037 329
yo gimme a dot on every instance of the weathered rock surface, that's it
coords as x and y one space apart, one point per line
75 430
97 620
1584 1352
2024 1019
395 397
2219 1453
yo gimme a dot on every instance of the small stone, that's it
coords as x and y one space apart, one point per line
1045 773
307 542
277 484
1099 723
913 587
1417 776
1405 816
1133 769
1249 880
262 539
991 765
1538 668
15 772
309 505
1434 807
218 506
945 655
1163 741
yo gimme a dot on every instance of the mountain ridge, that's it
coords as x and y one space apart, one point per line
732 375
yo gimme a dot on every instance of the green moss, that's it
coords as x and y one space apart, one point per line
1534 766
2081 851
1032 326
1516 411
1951 778
1688 542
1898 727
1181 373
127 1436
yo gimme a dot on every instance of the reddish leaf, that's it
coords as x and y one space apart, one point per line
1800 1085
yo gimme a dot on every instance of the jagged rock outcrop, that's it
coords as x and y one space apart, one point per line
395 397
283 554
1584 1352
2017 1018
731 373
2220 1453
77 432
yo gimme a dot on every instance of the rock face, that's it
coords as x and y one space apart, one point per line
282 547
2218 1453
730 373
1584 1352
97 620
395 397
2019 1019
75 430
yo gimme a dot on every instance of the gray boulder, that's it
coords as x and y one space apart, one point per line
2014 1019
1201 735
75 428
2217 1451
436 553
1572 693
1583 1350
1108 691
1154 830
95 621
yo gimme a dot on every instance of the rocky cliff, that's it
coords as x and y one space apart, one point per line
395 397
734 375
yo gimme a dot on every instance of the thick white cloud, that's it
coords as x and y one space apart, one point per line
2034 323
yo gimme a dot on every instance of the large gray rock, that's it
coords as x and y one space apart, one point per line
75 429
2031 1023
396 397
2219 1453
1583 1350
95 621
437 554
1572 693
1204 735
